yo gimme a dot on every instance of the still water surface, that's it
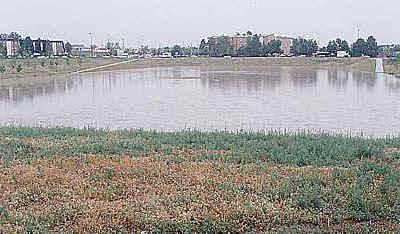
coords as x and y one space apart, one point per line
208 98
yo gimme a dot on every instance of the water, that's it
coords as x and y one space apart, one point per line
208 98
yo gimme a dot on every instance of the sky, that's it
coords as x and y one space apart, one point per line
186 22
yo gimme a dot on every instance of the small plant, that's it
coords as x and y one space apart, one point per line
2 69
19 68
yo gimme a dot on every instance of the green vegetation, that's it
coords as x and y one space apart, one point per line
67 179
337 45
367 48
15 68
304 47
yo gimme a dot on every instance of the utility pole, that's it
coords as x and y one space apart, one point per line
91 44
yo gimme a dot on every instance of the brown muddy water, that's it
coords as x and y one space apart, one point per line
222 98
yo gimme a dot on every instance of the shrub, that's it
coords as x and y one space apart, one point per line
19 68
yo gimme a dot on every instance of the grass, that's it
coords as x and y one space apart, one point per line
65 179
18 68
358 64
392 66
30 68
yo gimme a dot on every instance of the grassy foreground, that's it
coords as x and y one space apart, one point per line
70 180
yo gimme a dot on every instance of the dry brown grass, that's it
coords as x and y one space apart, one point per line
100 194
358 64
45 67
392 66
70 180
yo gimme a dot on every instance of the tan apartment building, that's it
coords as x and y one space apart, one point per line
239 41
287 42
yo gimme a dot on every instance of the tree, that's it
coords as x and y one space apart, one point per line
3 50
26 46
220 46
343 45
332 47
359 48
372 47
304 47
254 46
14 36
273 47
204 48
177 50
68 48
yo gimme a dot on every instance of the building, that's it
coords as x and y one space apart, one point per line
48 47
13 47
287 42
58 47
220 45
80 50
239 41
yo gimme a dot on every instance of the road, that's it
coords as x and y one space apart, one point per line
104 66
379 66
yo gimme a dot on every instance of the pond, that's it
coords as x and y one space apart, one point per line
208 98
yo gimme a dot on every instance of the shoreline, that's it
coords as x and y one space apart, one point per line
67 179
33 69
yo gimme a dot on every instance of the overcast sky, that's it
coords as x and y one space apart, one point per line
164 22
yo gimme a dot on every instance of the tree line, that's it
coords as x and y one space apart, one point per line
220 46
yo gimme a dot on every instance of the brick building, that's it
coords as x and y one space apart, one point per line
239 41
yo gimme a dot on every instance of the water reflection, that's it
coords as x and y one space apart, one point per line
362 79
338 79
208 98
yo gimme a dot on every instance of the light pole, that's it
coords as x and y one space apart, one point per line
91 44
